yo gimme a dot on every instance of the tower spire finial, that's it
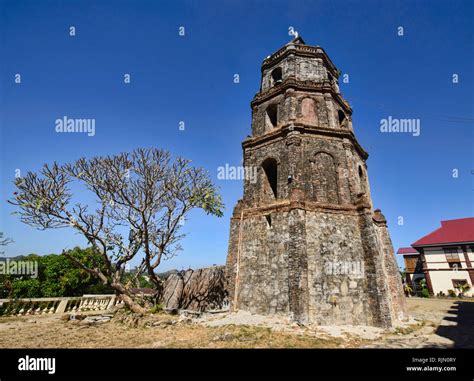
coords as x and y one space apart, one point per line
294 33
296 38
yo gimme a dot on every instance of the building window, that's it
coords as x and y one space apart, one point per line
270 167
451 254
342 118
271 117
269 220
410 264
452 257
361 179
458 283
277 76
450 250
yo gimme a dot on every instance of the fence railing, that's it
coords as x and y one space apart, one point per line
41 306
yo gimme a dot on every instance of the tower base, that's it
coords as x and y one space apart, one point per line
320 264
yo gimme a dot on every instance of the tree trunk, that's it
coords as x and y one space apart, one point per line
128 300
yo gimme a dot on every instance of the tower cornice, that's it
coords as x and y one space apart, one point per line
286 205
293 83
302 51
302 129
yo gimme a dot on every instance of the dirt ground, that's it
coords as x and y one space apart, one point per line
440 323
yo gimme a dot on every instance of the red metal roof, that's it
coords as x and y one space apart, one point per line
451 231
407 250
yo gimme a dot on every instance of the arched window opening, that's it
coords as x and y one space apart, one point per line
361 173
269 220
271 116
270 167
342 118
277 75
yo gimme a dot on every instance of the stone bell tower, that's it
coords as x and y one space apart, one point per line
305 240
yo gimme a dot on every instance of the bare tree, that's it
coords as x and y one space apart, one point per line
5 241
141 200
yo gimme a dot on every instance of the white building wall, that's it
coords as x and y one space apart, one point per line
438 265
442 281
436 259
470 254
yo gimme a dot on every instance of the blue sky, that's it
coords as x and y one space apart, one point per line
190 79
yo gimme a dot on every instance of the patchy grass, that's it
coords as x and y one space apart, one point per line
406 330
248 337
161 330
54 332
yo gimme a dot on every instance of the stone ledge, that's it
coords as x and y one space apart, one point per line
287 205
284 130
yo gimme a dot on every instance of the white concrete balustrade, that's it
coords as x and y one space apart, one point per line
37 306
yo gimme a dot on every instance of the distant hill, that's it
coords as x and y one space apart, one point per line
17 258
166 274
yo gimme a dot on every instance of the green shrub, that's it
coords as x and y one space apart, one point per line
157 308
425 293
57 276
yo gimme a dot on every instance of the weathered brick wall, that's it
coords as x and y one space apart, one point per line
263 267
283 269
398 304
320 166
291 106
301 68
335 241
254 193
377 292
